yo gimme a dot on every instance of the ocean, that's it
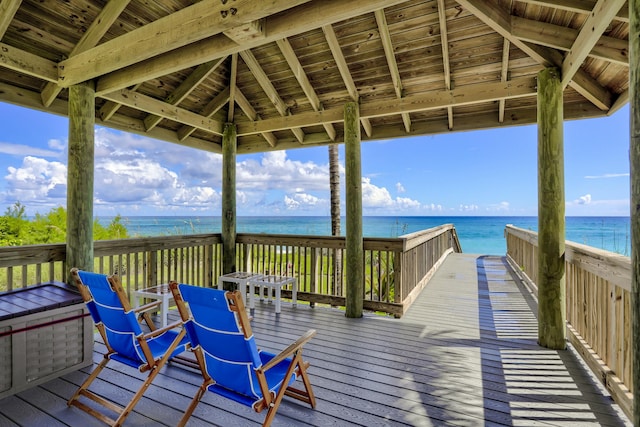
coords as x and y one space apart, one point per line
478 235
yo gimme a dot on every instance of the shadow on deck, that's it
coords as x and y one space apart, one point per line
464 354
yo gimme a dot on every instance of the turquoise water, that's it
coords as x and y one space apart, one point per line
481 235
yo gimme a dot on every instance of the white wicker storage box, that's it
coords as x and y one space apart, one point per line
45 332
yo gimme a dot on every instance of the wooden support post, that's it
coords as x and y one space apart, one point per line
229 147
353 181
634 159
551 221
80 172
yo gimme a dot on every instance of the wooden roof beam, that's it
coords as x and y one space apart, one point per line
504 76
578 6
385 38
8 9
303 80
89 39
288 23
233 86
250 112
110 108
208 111
592 29
341 63
444 41
184 89
269 89
27 63
151 105
559 37
484 92
500 21
191 24
32 99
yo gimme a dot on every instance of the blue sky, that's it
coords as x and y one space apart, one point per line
490 172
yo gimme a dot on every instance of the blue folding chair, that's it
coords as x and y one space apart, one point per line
126 343
232 366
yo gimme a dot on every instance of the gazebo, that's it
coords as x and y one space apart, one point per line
240 76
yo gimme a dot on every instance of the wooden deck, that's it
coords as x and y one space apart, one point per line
465 354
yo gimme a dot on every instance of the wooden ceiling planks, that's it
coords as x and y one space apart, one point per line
290 68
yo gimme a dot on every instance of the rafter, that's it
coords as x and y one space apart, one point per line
90 38
110 108
341 63
208 111
444 41
269 89
24 62
233 86
145 103
559 37
31 99
484 92
250 112
500 21
8 9
592 29
191 24
504 76
385 38
184 89
282 25
303 80
578 6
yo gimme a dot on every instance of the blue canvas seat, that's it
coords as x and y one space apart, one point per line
232 366
126 343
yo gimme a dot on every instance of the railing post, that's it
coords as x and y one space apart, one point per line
313 282
152 268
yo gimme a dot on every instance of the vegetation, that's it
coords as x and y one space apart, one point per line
16 229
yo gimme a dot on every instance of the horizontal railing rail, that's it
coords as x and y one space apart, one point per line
395 269
598 301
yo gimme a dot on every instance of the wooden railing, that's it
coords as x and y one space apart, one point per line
395 269
598 287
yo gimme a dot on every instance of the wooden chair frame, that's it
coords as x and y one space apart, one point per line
270 401
152 365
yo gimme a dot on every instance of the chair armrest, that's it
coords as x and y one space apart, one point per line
163 330
147 307
291 349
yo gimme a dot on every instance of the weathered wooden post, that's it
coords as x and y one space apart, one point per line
551 222
634 161
353 181
229 148
80 176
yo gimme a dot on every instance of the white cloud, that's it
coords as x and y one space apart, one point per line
468 208
378 199
608 175
25 150
374 196
499 207
434 208
276 171
35 180
400 188
583 200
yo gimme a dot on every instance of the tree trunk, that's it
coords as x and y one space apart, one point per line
334 185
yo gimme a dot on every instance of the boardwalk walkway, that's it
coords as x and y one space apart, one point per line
465 354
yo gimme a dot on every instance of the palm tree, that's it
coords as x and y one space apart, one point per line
334 186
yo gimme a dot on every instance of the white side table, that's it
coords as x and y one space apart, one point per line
240 278
275 282
158 293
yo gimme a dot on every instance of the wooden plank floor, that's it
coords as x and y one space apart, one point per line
465 354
